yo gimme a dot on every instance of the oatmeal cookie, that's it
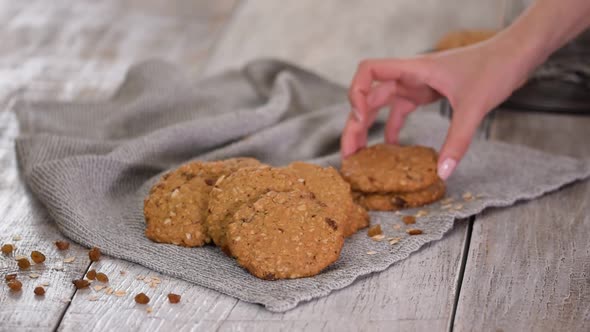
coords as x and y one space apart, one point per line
329 187
398 201
463 38
284 235
391 168
176 208
242 187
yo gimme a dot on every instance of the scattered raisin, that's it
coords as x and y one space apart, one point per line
141 298
39 291
81 283
102 277
375 230
15 285
62 245
37 257
210 182
9 277
173 298
414 231
7 249
24 263
94 254
91 275
409 220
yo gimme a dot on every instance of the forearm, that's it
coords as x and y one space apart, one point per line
544 27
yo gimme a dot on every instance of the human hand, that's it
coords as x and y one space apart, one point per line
474 80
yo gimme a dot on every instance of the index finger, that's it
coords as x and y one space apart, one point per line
368 72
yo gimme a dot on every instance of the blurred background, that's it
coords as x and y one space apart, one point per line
69 49
80 48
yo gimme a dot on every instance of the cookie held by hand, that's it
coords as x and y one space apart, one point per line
399 201
384 168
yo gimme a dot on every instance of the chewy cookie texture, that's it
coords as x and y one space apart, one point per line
391 168
278 223
285 235
176 208
388 177
401 200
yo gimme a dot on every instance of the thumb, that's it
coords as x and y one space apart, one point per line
463 127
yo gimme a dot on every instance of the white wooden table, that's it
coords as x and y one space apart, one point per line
521 268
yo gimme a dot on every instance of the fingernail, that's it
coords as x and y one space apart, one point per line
356 114
445 169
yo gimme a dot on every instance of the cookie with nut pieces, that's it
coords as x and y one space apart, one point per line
398 201
284 235
244 186
176 207
330 188
391 168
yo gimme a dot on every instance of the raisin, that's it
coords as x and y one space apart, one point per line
187 176
81 283
141 298
409 220
39 291
15 285
102 277
173 298
399 202
94 254
414 231
9 277
37 257
375 230
269 276
91 275
210 182
7 249
24 263
331 223
62 245
226 250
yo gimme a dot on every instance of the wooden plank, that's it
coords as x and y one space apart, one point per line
80 50
416 294
529 265
200 309
23 217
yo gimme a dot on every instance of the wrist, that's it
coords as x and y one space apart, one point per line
529 49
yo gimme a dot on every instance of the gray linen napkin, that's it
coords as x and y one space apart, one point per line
92 164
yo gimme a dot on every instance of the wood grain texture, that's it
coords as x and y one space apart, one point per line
416 294
81 49
22 216
71 50
529 265
200 309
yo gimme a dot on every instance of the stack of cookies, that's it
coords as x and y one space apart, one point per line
278 223
388 177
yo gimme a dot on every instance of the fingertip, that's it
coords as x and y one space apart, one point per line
352 137
446 168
